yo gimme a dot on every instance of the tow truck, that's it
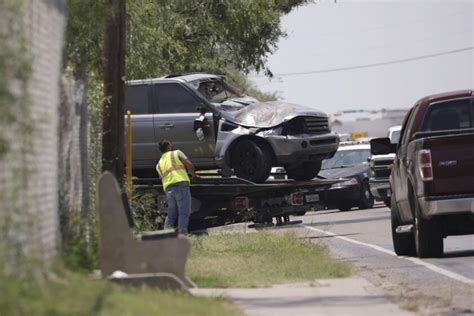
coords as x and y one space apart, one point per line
219 200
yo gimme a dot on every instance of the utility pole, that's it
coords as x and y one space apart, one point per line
114 89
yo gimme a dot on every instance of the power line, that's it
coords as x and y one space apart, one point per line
288 74
397 44
398 25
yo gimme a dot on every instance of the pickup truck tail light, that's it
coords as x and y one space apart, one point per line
424 165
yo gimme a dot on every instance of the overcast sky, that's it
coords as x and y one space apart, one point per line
327 36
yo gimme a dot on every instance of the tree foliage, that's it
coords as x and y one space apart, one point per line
202 35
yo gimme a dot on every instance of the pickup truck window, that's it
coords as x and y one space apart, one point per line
450 115
408 128
136 99
172 98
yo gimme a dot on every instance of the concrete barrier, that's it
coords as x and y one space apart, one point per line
159 259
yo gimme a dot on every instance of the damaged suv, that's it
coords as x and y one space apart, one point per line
220 128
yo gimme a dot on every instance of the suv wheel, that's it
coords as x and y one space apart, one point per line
251 161
428 238
306 171
366 198
403 244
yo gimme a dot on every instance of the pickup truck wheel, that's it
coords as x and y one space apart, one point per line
251 161
428 238
366 198
403 244
304 172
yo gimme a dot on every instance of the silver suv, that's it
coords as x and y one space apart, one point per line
219 128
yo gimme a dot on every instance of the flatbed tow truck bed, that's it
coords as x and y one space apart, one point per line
220 201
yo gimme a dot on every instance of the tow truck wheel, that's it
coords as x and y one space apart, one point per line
366 198
251 161
428 238
403 244
304 172
345 208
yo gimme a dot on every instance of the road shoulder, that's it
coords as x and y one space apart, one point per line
344 296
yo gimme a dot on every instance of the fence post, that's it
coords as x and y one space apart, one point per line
128 176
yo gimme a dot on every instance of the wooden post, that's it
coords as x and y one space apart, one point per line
114 89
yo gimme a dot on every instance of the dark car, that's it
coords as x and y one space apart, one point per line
352 163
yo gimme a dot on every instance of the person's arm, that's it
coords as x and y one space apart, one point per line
190 168
187 164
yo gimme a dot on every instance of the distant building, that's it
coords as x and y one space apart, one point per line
375 123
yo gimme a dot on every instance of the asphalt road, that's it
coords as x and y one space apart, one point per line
363 238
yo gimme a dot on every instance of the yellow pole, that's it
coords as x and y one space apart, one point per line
129 155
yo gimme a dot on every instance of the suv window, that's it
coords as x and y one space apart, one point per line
215 91
449 115
173 98
136 99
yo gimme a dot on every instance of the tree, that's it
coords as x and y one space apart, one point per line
203 35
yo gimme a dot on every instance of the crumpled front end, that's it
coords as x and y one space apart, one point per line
300 139
303 138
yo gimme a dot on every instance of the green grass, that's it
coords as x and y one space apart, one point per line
77 294
259 260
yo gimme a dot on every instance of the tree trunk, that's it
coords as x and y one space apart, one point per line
114 88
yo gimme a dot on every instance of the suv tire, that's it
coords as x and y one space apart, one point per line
304 172
428 238
366 198
251 161
403 244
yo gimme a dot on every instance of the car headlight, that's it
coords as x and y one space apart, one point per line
273 131
351 181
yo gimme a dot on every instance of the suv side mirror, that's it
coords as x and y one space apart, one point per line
382 146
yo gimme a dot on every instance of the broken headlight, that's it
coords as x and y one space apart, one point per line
294 127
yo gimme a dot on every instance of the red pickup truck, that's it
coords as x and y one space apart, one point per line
432 179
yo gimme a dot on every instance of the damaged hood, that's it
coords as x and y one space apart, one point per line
235 104
271 114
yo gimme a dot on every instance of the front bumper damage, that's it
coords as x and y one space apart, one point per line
293 148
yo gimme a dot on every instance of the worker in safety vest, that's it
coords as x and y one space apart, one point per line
173 169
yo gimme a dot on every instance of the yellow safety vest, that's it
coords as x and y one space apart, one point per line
171 169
